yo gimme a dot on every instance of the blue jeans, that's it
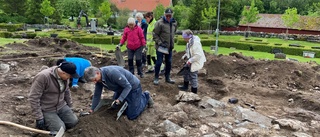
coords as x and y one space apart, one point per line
168 61
63 118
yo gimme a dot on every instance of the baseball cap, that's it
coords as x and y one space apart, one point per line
168 11
69 68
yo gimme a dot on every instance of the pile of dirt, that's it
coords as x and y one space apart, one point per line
264 83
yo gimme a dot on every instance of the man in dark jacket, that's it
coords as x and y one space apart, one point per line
50 98
163 35
125 85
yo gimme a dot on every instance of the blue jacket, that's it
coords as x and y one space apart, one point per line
144 27
117 79
81 65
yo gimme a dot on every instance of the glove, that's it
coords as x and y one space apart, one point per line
40 124
118 46
145 49
115 104
184 57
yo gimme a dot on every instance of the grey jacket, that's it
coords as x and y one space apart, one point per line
45 94
164 32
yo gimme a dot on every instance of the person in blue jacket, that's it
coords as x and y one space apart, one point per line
142 23
126 87
81 65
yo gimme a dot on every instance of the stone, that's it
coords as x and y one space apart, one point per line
176 129
291 124
210 135
242 132
4 68
222 134
204 129
252 116
187 97
210 112
300 134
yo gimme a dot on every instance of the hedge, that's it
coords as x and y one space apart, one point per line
5 34
10 27
83 39
103 40
116 40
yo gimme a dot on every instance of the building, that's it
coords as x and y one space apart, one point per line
140 5
273 23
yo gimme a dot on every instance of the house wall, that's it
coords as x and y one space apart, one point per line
272 30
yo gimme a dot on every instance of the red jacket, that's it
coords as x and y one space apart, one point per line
135 37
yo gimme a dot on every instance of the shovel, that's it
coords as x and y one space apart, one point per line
51 133
119 57
184 70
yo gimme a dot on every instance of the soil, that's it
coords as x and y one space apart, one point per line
266 84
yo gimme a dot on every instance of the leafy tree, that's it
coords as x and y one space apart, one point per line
314 10
208 15
33 12
195 14
46 9
105 10
57 15
17 7
158 11
250 14
181 14
95 5
122 18
72 7
290 18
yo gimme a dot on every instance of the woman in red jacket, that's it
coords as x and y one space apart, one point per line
135 44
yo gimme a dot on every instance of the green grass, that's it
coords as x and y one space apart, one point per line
222 50
4 41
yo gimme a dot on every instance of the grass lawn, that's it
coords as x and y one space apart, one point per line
4 41
222 50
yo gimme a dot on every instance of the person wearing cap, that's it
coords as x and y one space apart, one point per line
163 35
81 65
195 60
50 97
126 87
135 44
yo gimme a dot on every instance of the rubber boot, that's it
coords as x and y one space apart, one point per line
169 80
185 86
156 81
194 90
139 67
131 67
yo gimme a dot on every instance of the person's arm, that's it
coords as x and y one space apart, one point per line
156 33
145 29
75 80
122 81
141 36
124 37
67 97
96 96
38 86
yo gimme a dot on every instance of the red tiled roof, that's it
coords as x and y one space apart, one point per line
140 5
275 21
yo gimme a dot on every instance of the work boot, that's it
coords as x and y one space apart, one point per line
194 90
150 101
169 80
131 69
156 81
185 86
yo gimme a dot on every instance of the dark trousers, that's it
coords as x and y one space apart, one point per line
63 118
138 54
168 61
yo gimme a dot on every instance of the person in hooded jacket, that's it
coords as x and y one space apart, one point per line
141 22
163 35
126 87
195 60
151 52
136 42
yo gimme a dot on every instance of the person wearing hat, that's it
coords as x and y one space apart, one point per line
50 97
195 61
163 35
126 87
81 65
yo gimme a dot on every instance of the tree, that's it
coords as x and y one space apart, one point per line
250 14
14 6
33 12
181 14
73 7
195 14
105 10
158 11
95 4
208 16
122 18
290 17
46 9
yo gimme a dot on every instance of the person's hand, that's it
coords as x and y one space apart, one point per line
115 104
90 111
118 46
40 124
75 87
184 57
145 49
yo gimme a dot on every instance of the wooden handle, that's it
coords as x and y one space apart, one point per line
24 127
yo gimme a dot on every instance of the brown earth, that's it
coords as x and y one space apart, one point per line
266 84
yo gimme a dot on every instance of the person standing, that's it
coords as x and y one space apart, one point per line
133 34
126 87
141 22
151 53
163 35
195 60
50 98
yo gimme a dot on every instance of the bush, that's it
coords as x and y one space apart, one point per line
102 40
5 34
116 40
181 42
10 27
31 35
